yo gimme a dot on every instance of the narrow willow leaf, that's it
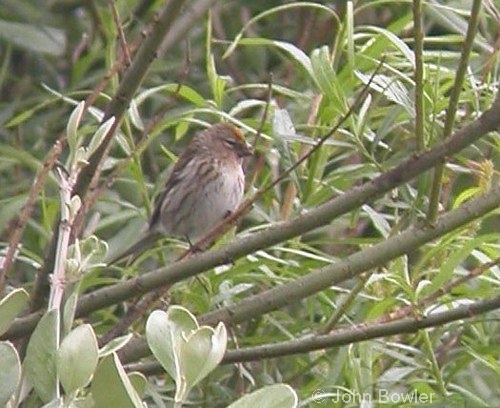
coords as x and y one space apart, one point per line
183 91
297 54
135 116
326 78
72 126
378 220
310 5
454 259
99 135
34 37
398 43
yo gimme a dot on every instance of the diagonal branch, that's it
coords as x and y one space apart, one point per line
361 333
129 84
358 333
315 218
354 265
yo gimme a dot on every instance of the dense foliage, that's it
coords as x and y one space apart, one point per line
365 264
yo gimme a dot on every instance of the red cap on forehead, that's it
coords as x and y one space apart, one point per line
237 134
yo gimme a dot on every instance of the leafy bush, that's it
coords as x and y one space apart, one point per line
363 264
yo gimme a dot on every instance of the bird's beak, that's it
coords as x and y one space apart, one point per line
246 150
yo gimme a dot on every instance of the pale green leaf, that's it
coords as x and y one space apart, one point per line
272 396
36 38
77 358
115 345
72 126
139 382
40 364
10 307
201 352
111 386
378 220
99 135
135 116
10 372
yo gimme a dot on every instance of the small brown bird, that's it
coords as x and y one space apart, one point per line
206 184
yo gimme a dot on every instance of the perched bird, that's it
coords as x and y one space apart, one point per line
206 184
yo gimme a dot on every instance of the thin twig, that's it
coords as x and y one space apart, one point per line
419 74
121 34
291 190
27 209
345 304
362 332
453 106
351 335
445 289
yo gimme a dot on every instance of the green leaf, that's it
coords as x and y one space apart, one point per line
201 352
297 54
36 38
10 307
162 329
98 114
111 386
187 352
40 364
183 91
77 358
99 135
290 49
135 116
466 195
115 345
57 403
269 11
10 374
326 78
217 82
139 382
392 89
284 131
72 126
272 396
398 43
378 220
448 267
69 310
20 118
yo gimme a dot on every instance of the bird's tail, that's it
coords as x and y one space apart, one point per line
146 242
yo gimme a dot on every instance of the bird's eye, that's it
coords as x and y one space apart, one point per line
231 142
